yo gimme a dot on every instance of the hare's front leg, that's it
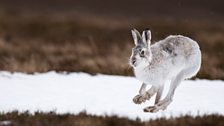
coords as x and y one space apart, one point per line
143 94
158 97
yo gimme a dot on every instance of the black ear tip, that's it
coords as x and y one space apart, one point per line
146 29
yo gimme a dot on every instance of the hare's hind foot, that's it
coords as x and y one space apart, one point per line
162 105
138 99
151 109
154 109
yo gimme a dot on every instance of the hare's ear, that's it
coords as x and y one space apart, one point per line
146 36
136 36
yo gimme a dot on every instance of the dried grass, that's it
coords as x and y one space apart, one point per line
82 119
41 43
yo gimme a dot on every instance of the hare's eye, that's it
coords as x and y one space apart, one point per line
142 53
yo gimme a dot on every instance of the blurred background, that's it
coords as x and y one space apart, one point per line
94 35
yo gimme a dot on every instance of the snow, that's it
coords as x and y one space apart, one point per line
5 123
103 94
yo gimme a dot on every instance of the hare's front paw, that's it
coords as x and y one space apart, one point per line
138 99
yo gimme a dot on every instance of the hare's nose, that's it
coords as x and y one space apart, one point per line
133 61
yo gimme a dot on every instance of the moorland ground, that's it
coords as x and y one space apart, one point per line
41 42
82 119
94 37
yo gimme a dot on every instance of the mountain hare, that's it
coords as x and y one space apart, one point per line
175 58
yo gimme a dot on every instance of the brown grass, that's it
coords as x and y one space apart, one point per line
40 43
82 119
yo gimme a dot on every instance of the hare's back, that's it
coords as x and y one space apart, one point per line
178 45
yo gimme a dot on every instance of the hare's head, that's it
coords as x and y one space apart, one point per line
141 53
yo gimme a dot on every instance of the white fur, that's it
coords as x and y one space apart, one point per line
175 58
167 67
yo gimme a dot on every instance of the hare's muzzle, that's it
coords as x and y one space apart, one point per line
133 61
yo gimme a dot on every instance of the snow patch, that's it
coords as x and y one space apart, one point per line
103 94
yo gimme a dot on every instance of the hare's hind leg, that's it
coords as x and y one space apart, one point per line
162 105
186 73
143 94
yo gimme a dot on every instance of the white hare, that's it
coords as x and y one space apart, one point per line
175 58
